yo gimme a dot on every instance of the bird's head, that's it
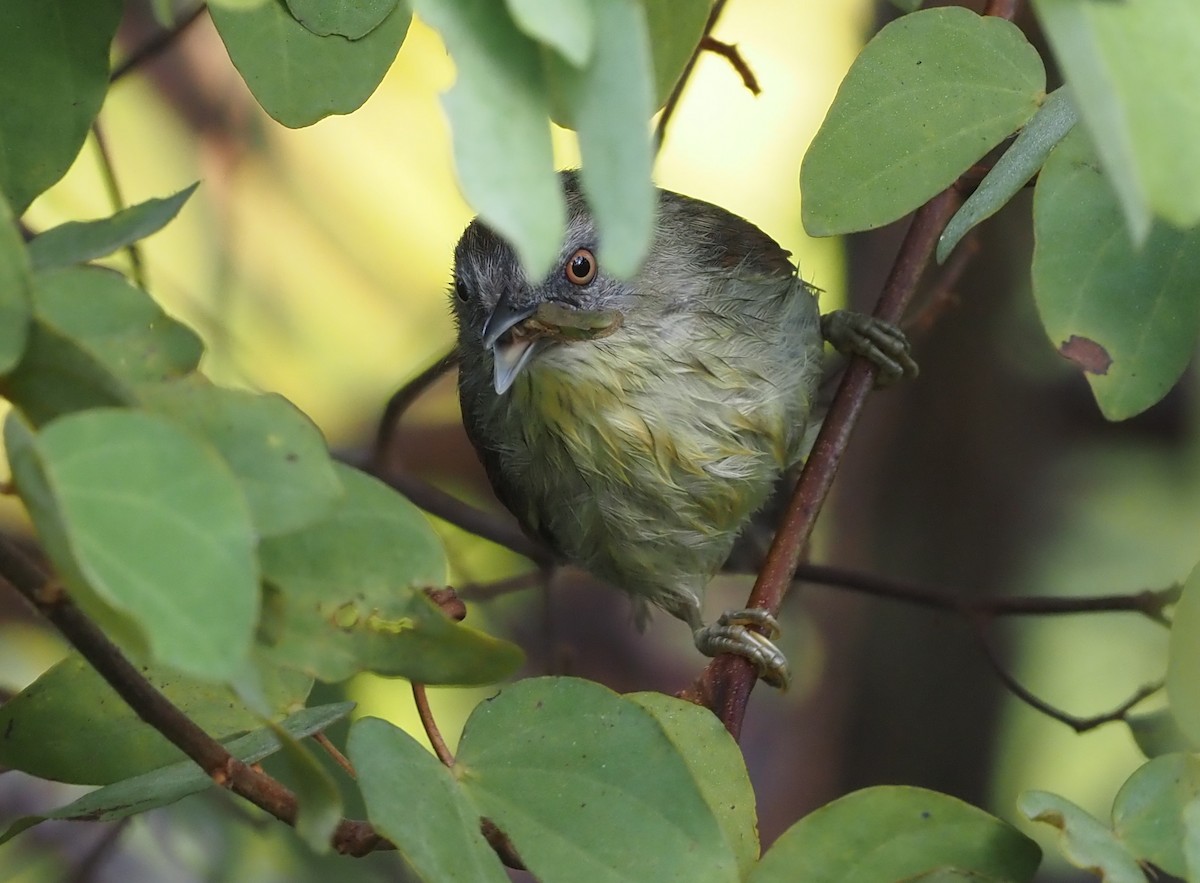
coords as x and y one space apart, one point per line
502 312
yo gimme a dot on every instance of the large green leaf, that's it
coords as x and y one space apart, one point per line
1128 317
717 767
609 102
413 800
274 450
567 26
78 242
40 727
1183 660
175 782
319 802
497 109
1084 841
142 519
1135 72
930 94
889 833
589 787
675 29
353 19
53 77
15 307
346 595
297 76
1148 812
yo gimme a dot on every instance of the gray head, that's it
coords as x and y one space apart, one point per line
695 243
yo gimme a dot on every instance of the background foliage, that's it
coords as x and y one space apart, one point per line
197 516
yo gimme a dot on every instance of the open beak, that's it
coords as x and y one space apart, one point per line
511 355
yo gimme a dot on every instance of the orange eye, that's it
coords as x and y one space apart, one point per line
581 267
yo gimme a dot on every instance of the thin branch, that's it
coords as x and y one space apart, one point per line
109 174
1078 724
403 399
496 588
431 728
730 53
156 45
942 295
335 753
351 837
664 120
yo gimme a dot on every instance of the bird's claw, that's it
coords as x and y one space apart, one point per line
732 633
882 343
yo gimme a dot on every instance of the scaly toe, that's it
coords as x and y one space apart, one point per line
729 634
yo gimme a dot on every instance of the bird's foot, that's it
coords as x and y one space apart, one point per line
731 634
882 343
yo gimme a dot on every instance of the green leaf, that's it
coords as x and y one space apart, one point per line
1013 170
94 336
1183 659
413 800
675 30
1191 839
346 595
1085 842
566 26
497 109
717 768
53 77
1135 72
40 727
1158 732
169 784
610 103
888 833
141 519
78 242
930 94
1148 812
319 802
15 307
297 76
1127 317
589 787
353 19
274 450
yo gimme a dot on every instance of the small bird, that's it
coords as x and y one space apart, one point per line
634 426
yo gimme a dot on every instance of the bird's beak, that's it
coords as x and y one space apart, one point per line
511 355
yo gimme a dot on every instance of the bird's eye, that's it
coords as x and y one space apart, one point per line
581 267
461 290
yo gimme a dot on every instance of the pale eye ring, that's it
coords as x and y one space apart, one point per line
581 267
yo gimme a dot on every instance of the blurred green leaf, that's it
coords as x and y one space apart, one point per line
78 242
441 840
40 727
1129 318
675 30
141 518
1183 659
889 833
274 450
1148 812
1158 732
319 800
929 95
1013 170
169 784
717 767
1135 72
588 786
297 76
610 103
497 111
15 307
1191 839
566 26
907 5
346 595
1084 841
352 19
53 78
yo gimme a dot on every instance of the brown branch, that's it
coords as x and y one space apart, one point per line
1078 724
155 45
730 53
660 131
335 753
49 598
403 399
431 728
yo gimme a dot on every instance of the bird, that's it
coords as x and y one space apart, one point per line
634 426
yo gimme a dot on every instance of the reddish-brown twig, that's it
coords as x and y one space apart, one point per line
431 728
